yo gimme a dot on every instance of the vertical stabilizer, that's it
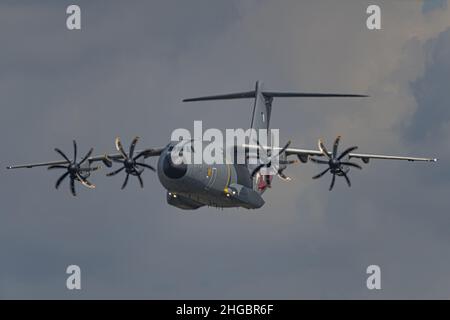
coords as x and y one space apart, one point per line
261 109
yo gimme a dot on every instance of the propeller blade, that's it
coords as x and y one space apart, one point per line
58 182
86 156
351 164
323 149
72 186
283 176
115 172
85 182
145 165
56 167
126 181
318 161
74 169
119 148
347 179
140 154
132 146
74 151
347 151
332 182
321 174
255 171
335 146
140 181
63 155
284 148
129 163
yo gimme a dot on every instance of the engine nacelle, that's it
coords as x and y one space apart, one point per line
303 158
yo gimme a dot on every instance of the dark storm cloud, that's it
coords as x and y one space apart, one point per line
429 127
125 73
431 90
431 5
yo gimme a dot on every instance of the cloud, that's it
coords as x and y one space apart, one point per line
431 5
432 114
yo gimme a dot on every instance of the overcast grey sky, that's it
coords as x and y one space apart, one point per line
125 74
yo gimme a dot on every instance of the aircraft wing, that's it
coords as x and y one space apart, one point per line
147 153
105 158
305 153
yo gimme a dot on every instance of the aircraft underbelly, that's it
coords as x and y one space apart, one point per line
212 200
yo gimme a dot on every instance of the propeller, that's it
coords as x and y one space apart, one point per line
74 170
269 165
284 163
130 162
335 166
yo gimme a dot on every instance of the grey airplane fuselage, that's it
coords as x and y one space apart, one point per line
190 186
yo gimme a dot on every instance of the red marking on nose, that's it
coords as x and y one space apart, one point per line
262 184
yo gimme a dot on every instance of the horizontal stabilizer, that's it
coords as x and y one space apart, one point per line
269 95
310 95
239 95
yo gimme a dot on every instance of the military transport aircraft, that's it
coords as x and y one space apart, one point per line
191 186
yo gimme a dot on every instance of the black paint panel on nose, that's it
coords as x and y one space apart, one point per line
173 171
